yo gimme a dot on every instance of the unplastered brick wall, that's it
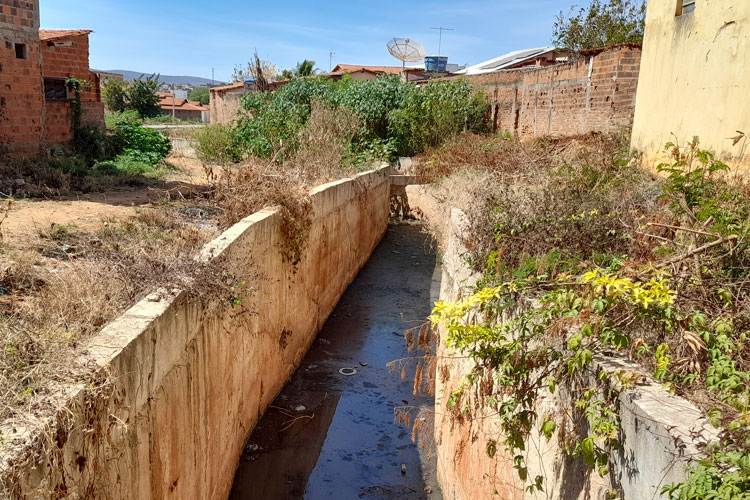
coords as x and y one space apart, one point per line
225 104
594 93
70 59
21 96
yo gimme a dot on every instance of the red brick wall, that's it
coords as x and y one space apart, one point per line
563 100
66 62
21 98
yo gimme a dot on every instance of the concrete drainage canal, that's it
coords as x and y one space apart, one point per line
331 432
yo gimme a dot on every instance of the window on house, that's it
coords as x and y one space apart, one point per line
20 51
54 88
685 7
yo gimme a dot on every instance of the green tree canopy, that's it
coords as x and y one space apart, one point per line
142 96
114 93
305 68
601 24
200 94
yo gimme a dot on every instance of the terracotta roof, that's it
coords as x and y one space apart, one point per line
233 86
344 69
46 35
169 102
239 85
187 106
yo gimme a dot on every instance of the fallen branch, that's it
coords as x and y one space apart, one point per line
698 250
687 229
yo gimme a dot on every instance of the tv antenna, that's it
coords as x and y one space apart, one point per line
440 43
406 50
331 55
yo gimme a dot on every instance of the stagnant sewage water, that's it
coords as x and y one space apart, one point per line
352 447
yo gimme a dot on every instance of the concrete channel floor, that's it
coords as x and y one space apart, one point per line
334 437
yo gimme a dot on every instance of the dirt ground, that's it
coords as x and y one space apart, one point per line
87 211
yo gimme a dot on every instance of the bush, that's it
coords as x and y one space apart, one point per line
144 144
125 165
114 94
93 144
216 143
394 113
434 113
128 117
200 94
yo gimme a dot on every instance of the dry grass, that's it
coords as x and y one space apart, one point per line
44 178
558 208
73 282
62 285
324 144
498 154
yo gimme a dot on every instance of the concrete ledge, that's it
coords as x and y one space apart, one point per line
183 382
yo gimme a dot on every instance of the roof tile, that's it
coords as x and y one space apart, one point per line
47 35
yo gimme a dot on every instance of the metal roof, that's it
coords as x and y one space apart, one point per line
505 61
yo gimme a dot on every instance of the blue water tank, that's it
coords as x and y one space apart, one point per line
436 63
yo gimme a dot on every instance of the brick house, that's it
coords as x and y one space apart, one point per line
35 111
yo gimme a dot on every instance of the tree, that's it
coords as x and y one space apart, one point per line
115 94
200 94
305 68
268 70
142 96
603 23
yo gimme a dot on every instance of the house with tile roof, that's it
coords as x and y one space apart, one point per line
182 109
361 72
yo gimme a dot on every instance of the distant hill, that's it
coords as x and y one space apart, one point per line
169 79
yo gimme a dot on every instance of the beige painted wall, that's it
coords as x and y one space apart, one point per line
695 78
188 382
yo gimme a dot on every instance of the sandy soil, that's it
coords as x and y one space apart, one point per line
87 211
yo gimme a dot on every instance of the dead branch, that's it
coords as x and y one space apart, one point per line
687 229
697 251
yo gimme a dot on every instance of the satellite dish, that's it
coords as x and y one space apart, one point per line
406 50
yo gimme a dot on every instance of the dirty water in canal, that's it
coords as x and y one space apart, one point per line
352 448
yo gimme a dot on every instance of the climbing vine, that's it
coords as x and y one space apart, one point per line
75 85
680 311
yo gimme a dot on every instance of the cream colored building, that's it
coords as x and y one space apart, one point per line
695 78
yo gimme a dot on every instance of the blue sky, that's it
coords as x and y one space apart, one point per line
190 37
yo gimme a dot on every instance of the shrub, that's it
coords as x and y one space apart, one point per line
144 144
93 143
128 117
106 168
434 113
114 93
394 113
216 143
200 94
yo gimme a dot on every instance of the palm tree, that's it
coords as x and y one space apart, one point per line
305 68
